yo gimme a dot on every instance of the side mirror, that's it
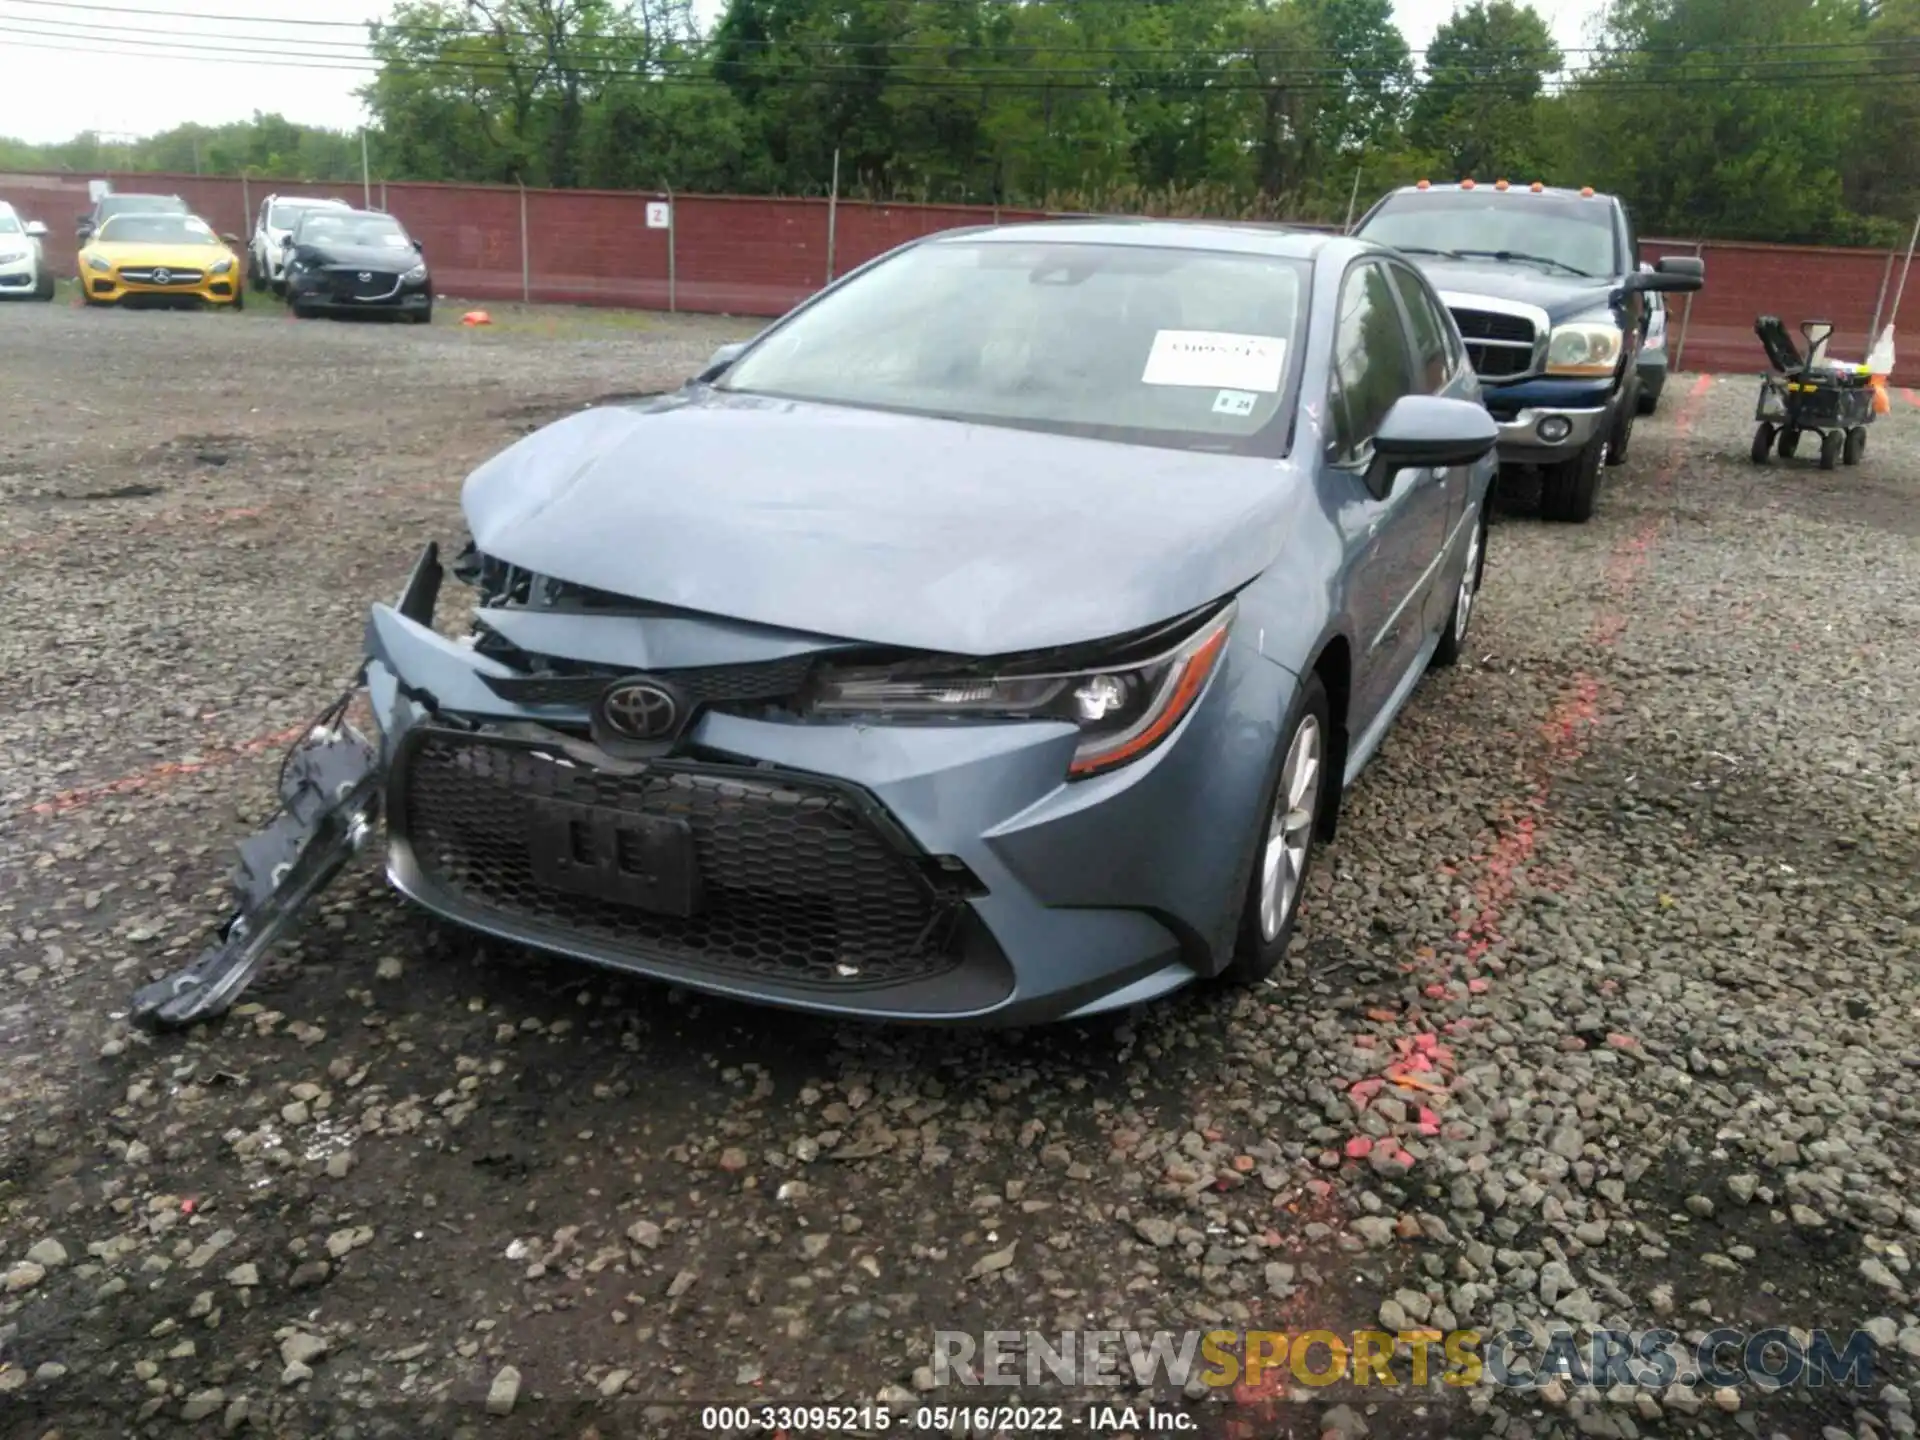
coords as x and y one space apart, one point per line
36 229
722 358
233 240
287 244
1675 273
1428 430
418 248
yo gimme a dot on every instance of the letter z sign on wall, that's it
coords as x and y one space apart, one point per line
659 215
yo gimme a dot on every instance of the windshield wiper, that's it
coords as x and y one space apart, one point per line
1429 250
1505 256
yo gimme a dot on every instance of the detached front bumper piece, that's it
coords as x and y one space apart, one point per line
329 805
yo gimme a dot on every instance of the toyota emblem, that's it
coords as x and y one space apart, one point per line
163 276
366 277
640 710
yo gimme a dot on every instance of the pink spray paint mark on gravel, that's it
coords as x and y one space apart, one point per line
1564 734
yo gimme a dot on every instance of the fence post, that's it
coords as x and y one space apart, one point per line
1873 330
833 212
383 195
673 278
1680 345
526 261
246 217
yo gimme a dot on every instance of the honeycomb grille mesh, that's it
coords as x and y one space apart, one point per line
798 885
705 685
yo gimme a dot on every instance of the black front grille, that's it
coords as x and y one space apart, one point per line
704 685
160 275
364 284
1498 345
21 281
799 882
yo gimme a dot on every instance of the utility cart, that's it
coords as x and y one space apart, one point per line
1810 394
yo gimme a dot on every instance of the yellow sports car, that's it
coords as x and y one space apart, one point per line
156 256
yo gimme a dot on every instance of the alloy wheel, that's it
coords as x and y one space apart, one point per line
1290 830
1469 587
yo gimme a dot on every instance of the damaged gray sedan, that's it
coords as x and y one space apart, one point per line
989 640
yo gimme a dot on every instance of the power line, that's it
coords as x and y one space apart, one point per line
986 70
472 32
989 82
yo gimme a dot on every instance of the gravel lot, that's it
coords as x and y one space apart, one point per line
1637 886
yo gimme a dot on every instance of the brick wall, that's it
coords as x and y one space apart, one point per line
761 256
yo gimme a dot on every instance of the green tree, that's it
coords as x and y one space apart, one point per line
1482 107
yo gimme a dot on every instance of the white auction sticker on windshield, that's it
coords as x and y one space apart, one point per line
1235 402
1216 360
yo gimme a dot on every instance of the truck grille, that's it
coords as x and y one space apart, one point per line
798 883
1498 345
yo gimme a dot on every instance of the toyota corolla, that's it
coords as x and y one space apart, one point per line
988 640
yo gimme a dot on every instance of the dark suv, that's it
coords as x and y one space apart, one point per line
1549 294
113 203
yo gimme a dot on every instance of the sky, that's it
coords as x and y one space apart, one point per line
55 81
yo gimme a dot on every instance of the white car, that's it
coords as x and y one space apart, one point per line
23 262
267 255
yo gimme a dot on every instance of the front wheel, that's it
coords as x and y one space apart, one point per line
1831 444
43 284
1569 489
1788 443
1620 434
1284 846
1856 446
1453 640
1762 443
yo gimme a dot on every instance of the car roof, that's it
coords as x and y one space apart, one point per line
1526 190
326 200
1225 236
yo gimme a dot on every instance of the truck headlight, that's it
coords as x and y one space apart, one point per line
1583 347
222 267
94 262
416 274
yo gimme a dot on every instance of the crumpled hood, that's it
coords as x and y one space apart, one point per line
391 258
888 529
1562 296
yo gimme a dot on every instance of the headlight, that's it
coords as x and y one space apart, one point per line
1123 709
1583 347
94 262
221 268
418 272
7 257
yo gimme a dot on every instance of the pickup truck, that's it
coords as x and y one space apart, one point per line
1547 288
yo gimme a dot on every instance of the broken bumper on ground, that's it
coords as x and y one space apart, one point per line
931 873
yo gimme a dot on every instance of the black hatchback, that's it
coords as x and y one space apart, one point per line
343 260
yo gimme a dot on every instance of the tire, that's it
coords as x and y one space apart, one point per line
1762 442
1788 443
1265 930
240 298
1856 446
256 282
43 284
1649 400
1453 639
1831 443
1569 489
422 317
1620 433
300 312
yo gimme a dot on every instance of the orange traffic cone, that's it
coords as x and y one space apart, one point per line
476 317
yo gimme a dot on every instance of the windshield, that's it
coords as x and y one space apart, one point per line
157 230
325 227
142 204
1161 346
1562 234
287 213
